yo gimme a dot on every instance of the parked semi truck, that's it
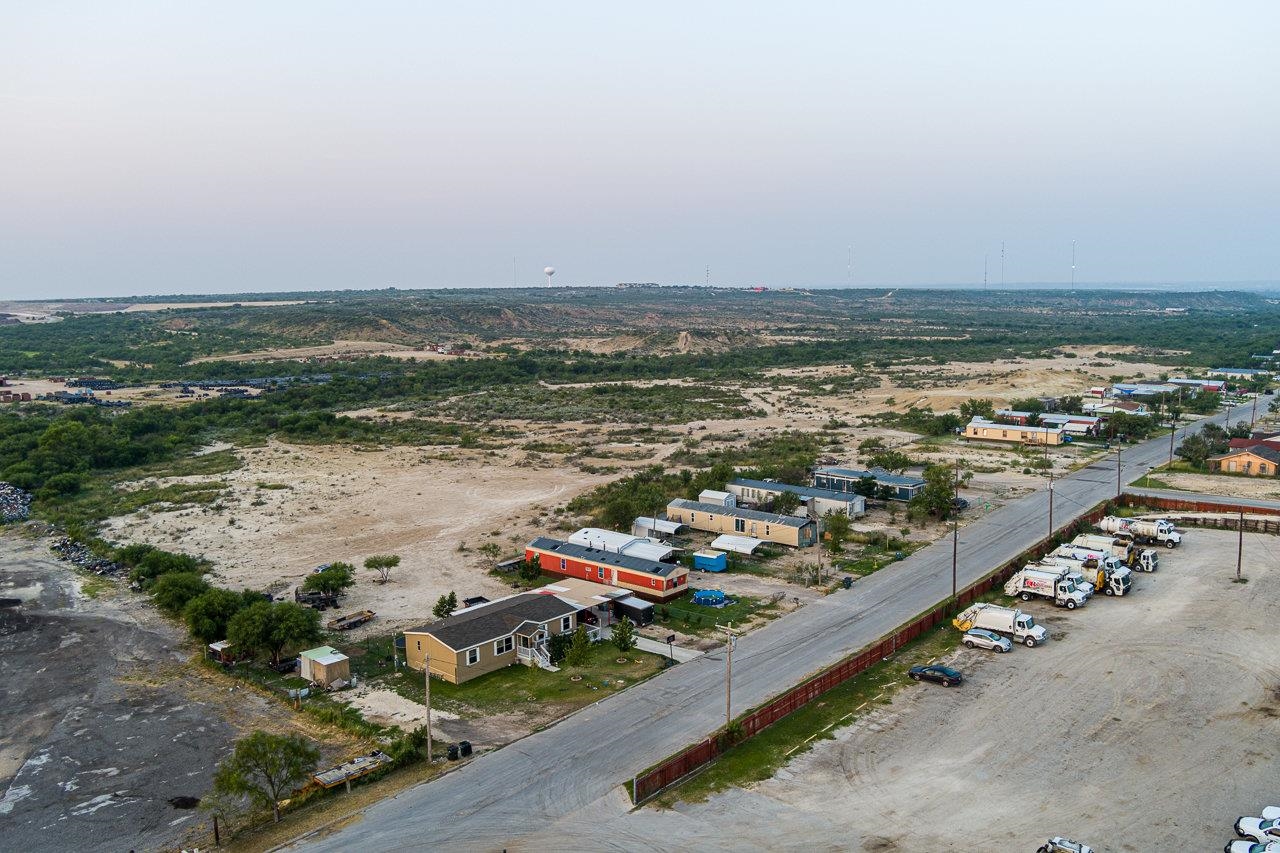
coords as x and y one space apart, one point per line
1009 621
1052 582
1104 574
1143 530
1125 551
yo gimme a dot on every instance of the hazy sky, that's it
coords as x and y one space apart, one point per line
228 146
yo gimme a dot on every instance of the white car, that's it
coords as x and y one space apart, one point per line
1259 829
1057 844
981 638
1251 847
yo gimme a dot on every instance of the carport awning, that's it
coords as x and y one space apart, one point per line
661 525
737 544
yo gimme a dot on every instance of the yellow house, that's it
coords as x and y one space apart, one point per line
1257 461
985 430
478 640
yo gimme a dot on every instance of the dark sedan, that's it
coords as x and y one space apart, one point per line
944 675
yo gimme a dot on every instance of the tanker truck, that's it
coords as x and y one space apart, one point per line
1143 530
1125 551
1104 572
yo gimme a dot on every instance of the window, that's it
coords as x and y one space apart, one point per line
419 645
473 657
600 572
501 647
562 564
693 516
1004 433
739 525
566 624
766 530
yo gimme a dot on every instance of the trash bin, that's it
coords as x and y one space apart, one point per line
453 752
465 748
847 581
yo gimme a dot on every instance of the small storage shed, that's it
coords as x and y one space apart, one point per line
637 610
221 651
324 665
708 560
711 496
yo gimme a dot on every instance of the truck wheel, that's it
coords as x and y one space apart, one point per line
1110 591
1026 596
1169 543
1071 605
1031 642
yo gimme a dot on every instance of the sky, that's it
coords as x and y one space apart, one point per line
240 146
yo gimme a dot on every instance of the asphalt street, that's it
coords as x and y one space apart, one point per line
507 795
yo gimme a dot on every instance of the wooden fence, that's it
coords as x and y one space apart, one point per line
653 781
1201 503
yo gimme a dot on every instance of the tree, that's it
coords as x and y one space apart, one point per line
977 408
837 526
893 461
332 580
172 591
1027 404
207 614
786 503
580 649
1072 404
866 486
939 489
272 627
1033 419
155 563
266 767
492 550
624 635
382 564
445 605
530 569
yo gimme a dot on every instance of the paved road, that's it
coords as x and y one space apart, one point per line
1173 494
504 796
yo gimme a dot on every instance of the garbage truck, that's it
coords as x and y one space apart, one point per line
1103 573
1124 550
1052 582
1011 622
1143 530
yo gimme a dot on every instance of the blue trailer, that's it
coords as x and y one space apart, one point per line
710 561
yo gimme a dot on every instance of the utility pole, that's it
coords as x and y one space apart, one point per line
1051 503
1240 547
1253 416
1118 489
426 677
955 531
731 639
1173 429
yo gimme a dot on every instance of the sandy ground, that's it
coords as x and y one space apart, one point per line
1071 738
1221 484
337 349
347 504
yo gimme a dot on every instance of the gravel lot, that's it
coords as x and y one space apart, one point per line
1149 723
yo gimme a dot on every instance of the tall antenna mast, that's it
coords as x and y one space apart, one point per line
850 269
984 270
1073 263
708 275
1002 264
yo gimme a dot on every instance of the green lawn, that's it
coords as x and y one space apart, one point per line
758 758
517 688
696 620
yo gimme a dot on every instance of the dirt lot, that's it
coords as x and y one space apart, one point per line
337 349
342 503
1222 484
1146 724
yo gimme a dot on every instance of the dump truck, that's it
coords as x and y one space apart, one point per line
1101 572
1143 530
1009 621
351 620
1052 582
1122 549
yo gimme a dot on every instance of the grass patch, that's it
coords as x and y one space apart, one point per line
698 621
758 758
273 486
522 688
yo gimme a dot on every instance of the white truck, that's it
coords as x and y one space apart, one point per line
1009 621
1052 582
1102 571
1143 530
1126 552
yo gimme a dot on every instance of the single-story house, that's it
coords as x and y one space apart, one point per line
815 502
1124 390
985 430
324 665
1213 386
716 518
713 496
624 543
1098 391
1256 461
642 576
1242 443
478 640
1111 407
1073 425
902 486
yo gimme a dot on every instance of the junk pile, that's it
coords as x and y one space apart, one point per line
80 555
15 503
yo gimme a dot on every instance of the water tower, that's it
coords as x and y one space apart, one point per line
549 271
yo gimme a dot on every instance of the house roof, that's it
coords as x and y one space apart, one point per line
878 474
983 422
622 543
660 525
737 544
800 491
320 652
608 558
495 620
1260 450
739 512
715 494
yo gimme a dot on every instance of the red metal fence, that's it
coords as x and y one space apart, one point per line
656 779
1201 503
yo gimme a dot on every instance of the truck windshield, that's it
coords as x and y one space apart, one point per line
1026 623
